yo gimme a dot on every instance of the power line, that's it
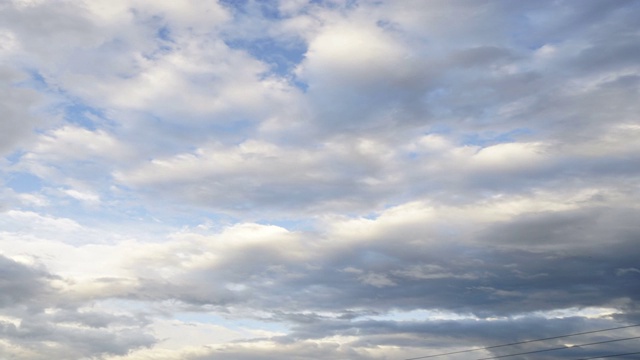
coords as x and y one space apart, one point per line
523 342
561 348
609 356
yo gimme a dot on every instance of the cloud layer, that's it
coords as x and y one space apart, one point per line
317 179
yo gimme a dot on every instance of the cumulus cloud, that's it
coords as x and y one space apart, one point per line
316 179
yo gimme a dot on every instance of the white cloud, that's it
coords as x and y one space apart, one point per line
71 142
35 200
313 179
509 157
89 198
354 53
32 219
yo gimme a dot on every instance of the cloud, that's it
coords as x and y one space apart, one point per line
423 266
18 109
22 282
35 220
71 142
37 321
316 179
250 174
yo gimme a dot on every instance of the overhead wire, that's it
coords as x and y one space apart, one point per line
523 342
561 348
609 356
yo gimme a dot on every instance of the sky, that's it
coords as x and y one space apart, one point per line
292 179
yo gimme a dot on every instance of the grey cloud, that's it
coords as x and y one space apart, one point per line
97 319
21 283
18 108
413 339
574 21
438 333
51 322
580 228
608 54
481 56
504 282
537 262
557 82
72 343
298 351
